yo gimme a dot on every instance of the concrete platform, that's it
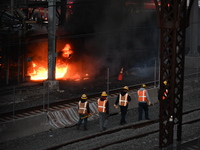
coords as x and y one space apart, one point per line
23 127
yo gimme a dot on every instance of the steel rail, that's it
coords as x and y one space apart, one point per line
65 103
59 105
133 126
139 136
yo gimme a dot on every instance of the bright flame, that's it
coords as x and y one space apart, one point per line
61 69
67 52
40 71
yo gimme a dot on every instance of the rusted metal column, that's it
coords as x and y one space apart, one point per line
51 39
172 16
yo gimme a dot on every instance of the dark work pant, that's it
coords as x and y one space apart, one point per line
80 120
103 120
123 110
143 106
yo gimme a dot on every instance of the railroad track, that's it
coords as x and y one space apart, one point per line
65 103
112 133
19 88
71 102
62 104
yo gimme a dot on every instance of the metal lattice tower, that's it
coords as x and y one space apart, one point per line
173 17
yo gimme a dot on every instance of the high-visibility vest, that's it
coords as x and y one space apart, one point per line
102 105
82 108
165 94
142 96
123 100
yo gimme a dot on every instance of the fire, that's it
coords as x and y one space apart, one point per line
61 69
40 71
67 52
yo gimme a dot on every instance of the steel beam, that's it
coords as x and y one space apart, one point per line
172 16
51 39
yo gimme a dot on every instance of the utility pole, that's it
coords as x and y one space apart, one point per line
51 82
51 39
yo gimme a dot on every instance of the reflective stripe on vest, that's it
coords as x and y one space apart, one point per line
123 100
102 105
82 107
142 96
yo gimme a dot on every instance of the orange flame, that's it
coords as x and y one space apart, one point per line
67 52
40 71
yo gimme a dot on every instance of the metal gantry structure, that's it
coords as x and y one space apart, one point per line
173 17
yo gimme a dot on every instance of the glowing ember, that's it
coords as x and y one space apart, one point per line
86 77
77 77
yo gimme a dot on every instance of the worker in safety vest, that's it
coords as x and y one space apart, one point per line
165 91
163 96
122 100
143 102
103 109
83 111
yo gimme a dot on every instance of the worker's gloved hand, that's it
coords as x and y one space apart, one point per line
149 103
115 106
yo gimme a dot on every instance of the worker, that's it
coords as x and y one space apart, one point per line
143 102
83 111
103 109
163 96
122 100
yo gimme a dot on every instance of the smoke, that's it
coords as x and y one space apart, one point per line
126 37
107 34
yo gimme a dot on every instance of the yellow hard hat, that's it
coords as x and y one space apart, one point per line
165 82
103 93
84 96
125 88
143 85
